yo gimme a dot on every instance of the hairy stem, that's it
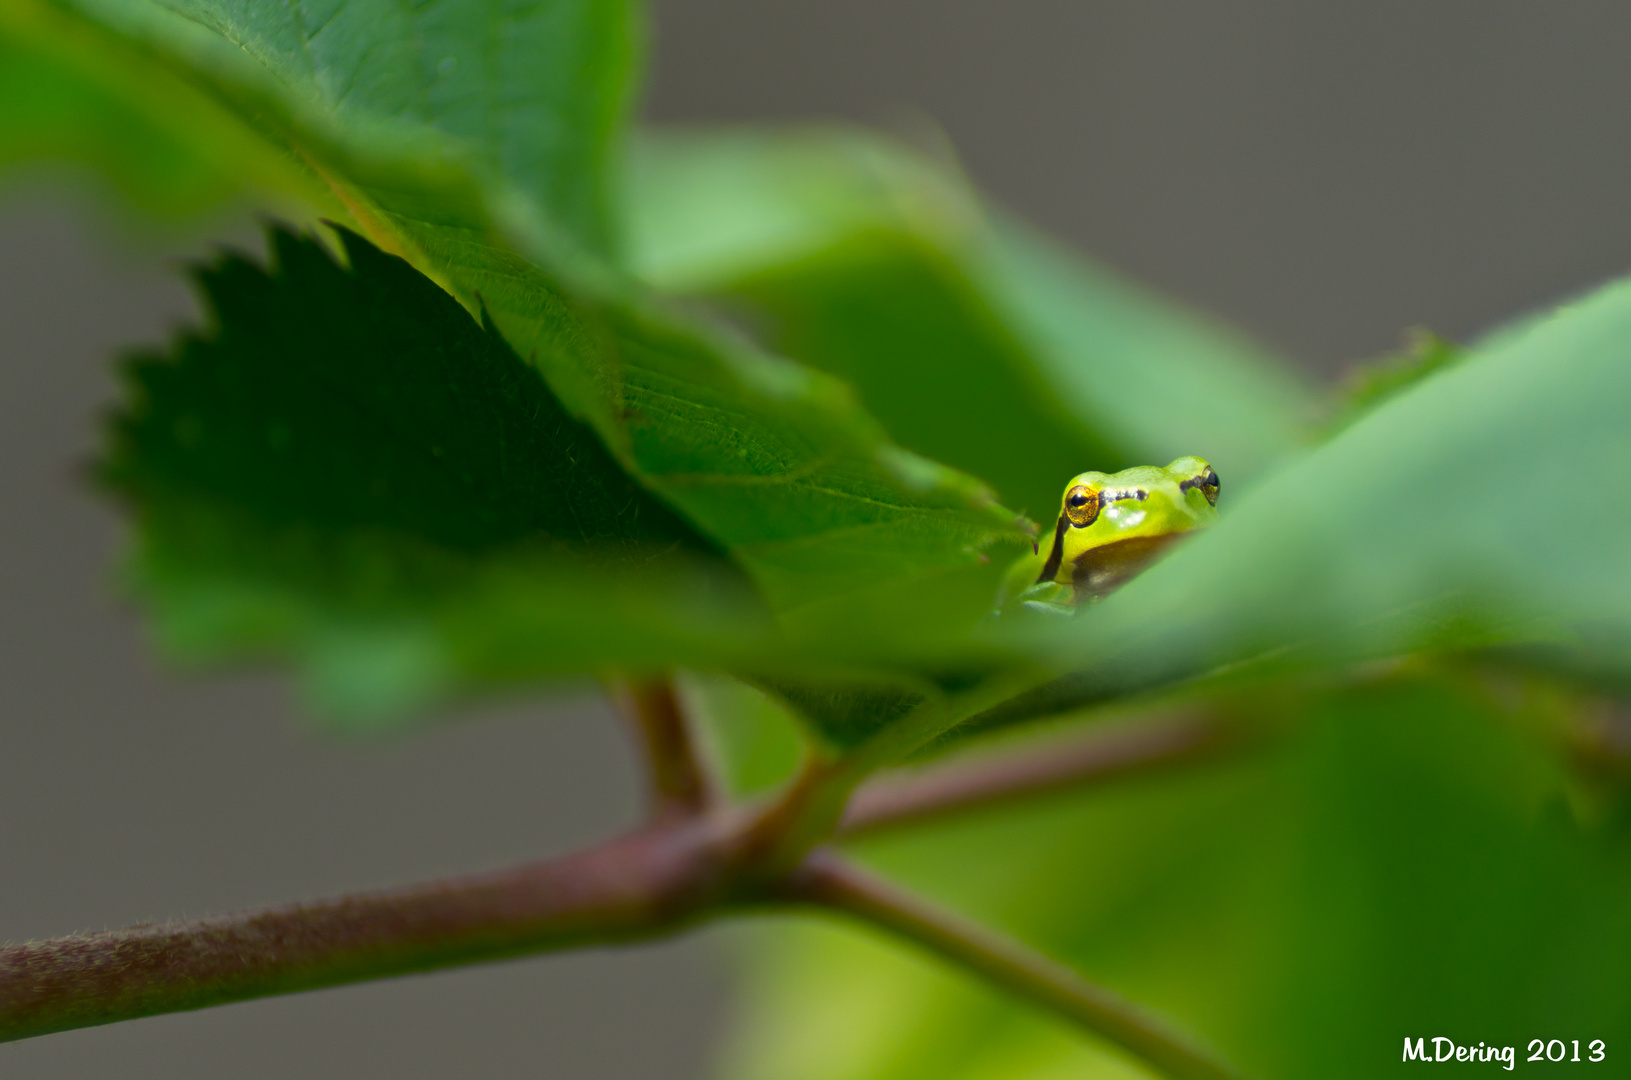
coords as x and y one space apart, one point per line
1058 763
674 768
829 881
639 885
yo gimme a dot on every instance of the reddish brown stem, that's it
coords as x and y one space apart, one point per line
682 868
1057 763
677 777
632 887
829 881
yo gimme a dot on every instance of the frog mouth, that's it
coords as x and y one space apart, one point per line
1102 570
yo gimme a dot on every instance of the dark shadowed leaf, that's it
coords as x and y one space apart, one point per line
365 397
846 714
349 468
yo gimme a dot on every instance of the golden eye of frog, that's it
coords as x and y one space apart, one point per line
1110 526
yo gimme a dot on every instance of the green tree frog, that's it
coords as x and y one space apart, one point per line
1111 525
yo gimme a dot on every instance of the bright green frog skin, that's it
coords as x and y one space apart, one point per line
1110 526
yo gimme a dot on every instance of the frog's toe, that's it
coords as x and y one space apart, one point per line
1050 608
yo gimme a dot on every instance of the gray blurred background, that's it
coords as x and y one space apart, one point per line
1322 175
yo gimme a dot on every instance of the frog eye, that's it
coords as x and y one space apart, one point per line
1209 484
1082 506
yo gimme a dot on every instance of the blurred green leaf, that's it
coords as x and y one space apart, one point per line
1406 863
1153 376
74 96
533 94
845 713
1374 382
753 744
1477 508
55 114
974 341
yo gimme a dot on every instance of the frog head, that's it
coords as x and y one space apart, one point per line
1111 525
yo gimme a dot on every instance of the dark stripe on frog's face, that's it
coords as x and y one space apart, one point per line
1056 554
1125 493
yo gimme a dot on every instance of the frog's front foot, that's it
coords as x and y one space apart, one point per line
1049 598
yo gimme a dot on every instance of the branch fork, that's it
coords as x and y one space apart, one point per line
695 858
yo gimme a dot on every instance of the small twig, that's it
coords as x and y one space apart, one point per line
678 779
939 791
775 837
636 886
829 881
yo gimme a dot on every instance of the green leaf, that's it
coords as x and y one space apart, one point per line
367 398
1479 507
1154 377
1404 863
753 745
350 472
859 546
1370 384
844 713
53 114
72 96
349 469
862 550
533 95
975 342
